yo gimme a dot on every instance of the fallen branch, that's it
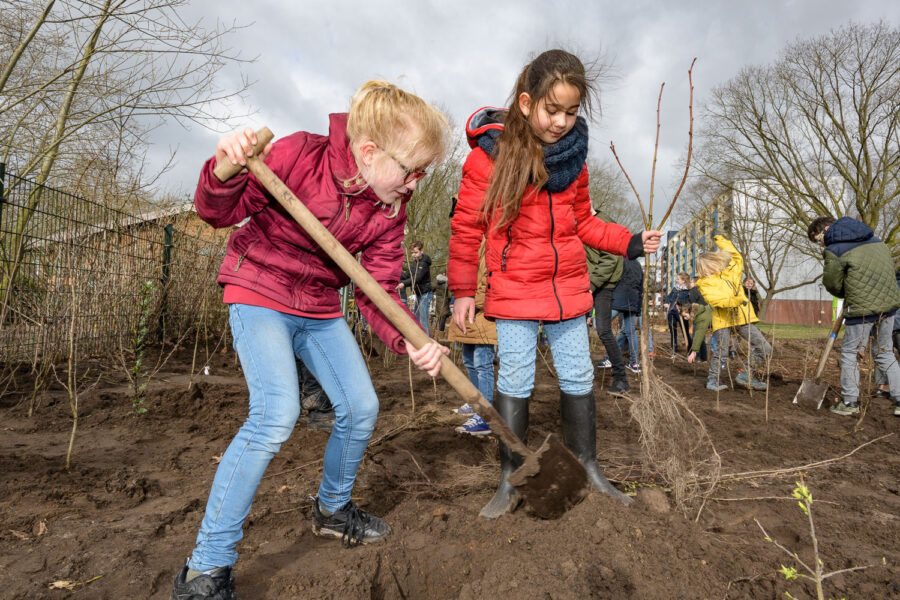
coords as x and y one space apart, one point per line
791 470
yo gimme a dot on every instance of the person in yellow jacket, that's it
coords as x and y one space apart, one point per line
720 283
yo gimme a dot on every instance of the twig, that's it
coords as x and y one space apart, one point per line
690 144
412 391
789 470
655 154
612 147
544 358
415 462
755 498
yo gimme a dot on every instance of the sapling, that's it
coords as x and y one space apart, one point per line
816 573
137 375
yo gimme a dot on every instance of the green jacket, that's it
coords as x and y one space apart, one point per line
605 269
702 321
859 268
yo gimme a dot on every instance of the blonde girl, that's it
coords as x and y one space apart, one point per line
721 273
282 295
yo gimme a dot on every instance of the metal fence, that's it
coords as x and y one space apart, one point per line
74 271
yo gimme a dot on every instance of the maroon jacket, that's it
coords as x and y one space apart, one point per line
273 256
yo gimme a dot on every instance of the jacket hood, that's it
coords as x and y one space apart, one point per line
487 121
847 233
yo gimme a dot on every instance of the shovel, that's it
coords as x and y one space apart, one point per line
551 480
813 390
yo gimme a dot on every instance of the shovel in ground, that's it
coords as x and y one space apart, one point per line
813 390
550 480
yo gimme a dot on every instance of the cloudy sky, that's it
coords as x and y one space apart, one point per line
464 54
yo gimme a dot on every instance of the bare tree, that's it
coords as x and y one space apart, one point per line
609 194
86 79
428 213
817 132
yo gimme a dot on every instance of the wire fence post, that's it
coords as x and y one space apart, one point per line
166 266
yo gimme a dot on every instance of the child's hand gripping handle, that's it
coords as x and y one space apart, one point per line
364 281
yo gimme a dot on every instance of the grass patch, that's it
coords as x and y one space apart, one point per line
797 332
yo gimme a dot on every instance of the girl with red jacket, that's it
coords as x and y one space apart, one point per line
282 292
525 189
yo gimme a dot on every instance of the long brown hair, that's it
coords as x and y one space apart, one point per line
519 153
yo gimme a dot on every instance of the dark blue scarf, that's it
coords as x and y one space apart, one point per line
563 160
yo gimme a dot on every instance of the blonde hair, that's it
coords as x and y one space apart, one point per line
711 263
387 115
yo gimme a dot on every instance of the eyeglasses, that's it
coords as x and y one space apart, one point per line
409 175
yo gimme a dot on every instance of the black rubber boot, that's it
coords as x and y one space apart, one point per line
579 425
515 412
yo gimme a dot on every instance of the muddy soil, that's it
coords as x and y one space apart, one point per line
121 521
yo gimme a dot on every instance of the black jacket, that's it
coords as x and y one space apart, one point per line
629 290
420 273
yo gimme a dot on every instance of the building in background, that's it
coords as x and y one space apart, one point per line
786 269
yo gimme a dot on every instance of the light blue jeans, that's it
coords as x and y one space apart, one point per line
855 337
423 302
267 343
479 362
517 341
628 334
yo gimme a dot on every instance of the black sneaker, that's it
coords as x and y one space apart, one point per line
218 584
619 387
351 524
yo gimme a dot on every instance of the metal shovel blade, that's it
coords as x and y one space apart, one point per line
551 480
811 392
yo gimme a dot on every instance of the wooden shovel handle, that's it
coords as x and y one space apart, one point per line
831 337
401 320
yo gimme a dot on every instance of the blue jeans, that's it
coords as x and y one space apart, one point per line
517 341
423 302
479 362
628 334
267 343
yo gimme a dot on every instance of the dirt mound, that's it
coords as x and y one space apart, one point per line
119 524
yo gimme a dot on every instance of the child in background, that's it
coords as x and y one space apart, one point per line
881 380
478 341
678 295
605 272
702 319
626 304
284 303
525 190
720 284
858 268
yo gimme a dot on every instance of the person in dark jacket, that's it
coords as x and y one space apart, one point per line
678 296
284 304
605 270
419 279
627 303
752 294
859 268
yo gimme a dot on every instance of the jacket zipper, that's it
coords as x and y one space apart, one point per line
243 256
555 257
506 248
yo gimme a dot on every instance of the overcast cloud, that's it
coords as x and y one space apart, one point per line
461 55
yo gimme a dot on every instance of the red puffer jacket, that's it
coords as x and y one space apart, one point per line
273 256
537 268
